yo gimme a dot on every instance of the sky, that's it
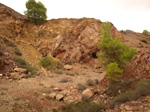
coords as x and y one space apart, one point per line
124 14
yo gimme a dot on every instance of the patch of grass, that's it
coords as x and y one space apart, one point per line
81 87
32 70
21 61
64 81
70 74
114 87
49 63
90 82
142 88
84 107
17 52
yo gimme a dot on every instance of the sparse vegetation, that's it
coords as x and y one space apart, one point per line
70 74
114 53
90 82
17 51
22 63
36 12
115 87
64 81
58 72
81 87
84 107
49 63
142 88
145 32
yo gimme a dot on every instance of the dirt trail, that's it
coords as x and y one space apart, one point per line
31 95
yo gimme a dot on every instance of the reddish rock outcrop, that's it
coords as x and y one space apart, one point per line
139 67
80 44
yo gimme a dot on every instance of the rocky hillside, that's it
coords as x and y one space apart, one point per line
68 40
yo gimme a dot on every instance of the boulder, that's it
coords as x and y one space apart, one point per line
88 93
68 67
20 70
59 96
52 95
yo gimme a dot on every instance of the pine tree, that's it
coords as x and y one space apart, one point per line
115 54
36 12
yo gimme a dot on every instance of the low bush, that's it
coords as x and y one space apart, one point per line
142 88
81 87
70 74
49 63
115 87
22 63
84 107
90 82
17 52
145 32
64 81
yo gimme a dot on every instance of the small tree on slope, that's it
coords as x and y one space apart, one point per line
114 55
36 12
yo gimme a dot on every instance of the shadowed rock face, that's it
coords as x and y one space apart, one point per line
80 44
1 64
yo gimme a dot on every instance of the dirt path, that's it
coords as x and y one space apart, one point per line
31 95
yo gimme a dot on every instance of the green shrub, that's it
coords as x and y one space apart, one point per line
115 87
31 69
49 63
145 32
21 61
90 82
81 87
84 107
142 88
17 52
114 72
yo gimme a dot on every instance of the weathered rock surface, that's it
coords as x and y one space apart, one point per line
139 67
88 93
59 96
80 44
68 67
20 70
52 95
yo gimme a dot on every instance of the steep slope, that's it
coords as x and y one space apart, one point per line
69 40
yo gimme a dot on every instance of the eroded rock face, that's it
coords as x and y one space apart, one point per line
80 44
140 65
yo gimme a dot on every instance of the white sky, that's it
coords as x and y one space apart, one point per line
124 14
